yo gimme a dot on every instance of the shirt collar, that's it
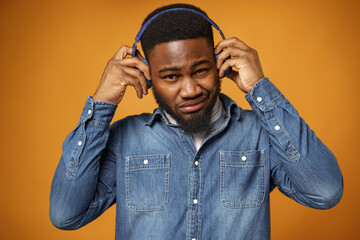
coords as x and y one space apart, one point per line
231 108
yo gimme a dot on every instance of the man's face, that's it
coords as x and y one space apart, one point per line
185 81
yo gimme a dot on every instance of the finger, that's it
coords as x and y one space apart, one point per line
231 42
235 42
137 63
123 52
233 62
128 79
138 75
229 52
128 75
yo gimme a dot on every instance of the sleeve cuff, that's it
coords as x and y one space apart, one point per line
101 112
264 95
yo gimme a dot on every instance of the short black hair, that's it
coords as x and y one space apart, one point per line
175 25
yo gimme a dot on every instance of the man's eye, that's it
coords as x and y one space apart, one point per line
170 77
200 71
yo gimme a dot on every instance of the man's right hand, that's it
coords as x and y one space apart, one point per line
121 72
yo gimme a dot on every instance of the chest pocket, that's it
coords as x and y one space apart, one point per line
242 178
147 182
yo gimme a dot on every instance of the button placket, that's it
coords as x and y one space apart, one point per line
194 196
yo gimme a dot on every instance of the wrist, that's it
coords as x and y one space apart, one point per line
96 98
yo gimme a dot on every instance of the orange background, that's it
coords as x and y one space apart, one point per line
52 54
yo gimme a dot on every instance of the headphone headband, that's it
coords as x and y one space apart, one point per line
143 28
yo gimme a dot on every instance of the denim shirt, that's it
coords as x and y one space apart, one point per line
165 189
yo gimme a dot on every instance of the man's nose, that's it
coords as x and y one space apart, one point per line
189 88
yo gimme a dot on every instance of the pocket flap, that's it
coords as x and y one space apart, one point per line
147 162
242 158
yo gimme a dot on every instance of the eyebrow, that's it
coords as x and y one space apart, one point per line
195 64
199 63
169 69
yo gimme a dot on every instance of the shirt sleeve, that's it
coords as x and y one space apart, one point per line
83 186
302 167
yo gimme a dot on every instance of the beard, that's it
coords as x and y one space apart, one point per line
198 122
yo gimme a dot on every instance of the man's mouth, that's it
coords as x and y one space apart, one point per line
191 106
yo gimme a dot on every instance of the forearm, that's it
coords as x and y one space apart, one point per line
76 188
302 166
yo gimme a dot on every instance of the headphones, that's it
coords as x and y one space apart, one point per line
143 28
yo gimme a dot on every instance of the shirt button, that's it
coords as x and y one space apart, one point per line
195 201
89 112
196 163
243 158
146 161
79 143
259 99
277 127
193 239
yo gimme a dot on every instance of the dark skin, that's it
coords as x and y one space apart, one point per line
122 71
184 75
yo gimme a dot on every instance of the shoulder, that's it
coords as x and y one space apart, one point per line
134 120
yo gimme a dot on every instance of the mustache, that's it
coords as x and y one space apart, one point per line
196 100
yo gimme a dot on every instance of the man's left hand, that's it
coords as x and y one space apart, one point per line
243 58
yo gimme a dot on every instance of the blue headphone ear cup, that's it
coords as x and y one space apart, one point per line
228 70
149 82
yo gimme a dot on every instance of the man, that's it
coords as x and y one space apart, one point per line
199 167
